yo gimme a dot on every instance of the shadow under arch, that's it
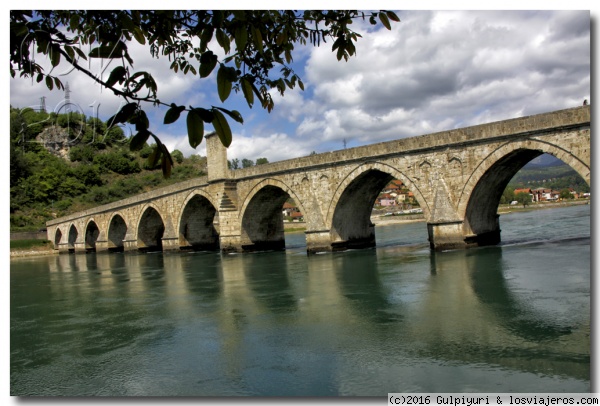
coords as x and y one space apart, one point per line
117 230
91 235
262 217
478 203
197 228
150 230
57 238
73 234
349 213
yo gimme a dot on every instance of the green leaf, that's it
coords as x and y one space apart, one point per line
80 53
206 115
105 52
54 55
223 83
233 114
139 35
140 120
241 38
223 40
49 83
195 128
205 37
247 90
137 141
123 115
392 16
154 157
117 75
208 61
173 114
222 128
385 21
258 41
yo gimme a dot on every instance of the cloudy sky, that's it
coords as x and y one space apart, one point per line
434 71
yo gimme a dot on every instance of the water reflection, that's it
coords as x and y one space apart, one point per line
267 277
203 275
491 287
357 274
360 322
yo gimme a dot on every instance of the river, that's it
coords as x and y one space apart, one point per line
396 318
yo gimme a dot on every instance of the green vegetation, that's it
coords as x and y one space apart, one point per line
98 167
556 177
29 244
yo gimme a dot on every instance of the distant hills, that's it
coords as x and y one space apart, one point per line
549 172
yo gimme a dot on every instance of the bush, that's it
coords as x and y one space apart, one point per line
119 161
82 153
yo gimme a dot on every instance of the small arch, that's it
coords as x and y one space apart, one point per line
262 217
57 238
150 230
117 230
198 224
73 233
91 235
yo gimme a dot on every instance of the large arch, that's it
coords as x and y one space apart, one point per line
73 233
197 229
117 230
91 235
262 218
349 213
479 199
150 229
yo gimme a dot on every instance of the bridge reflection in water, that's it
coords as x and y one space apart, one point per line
282 323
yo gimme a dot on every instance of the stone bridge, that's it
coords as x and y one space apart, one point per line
457 177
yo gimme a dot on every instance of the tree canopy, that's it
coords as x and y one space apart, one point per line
253 43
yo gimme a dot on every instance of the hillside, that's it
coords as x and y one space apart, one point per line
548 172
60 164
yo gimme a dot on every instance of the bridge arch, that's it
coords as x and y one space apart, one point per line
57 237
91 234
196 225
479 199
72 239
354 198
150 229
117 230
261 217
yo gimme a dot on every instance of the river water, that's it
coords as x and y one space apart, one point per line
397 318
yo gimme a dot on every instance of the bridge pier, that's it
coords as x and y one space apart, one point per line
451 235
318 241
101 246
446 235
170 243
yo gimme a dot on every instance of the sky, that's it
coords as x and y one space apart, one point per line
434 71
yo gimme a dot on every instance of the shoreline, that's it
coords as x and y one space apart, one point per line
299 227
